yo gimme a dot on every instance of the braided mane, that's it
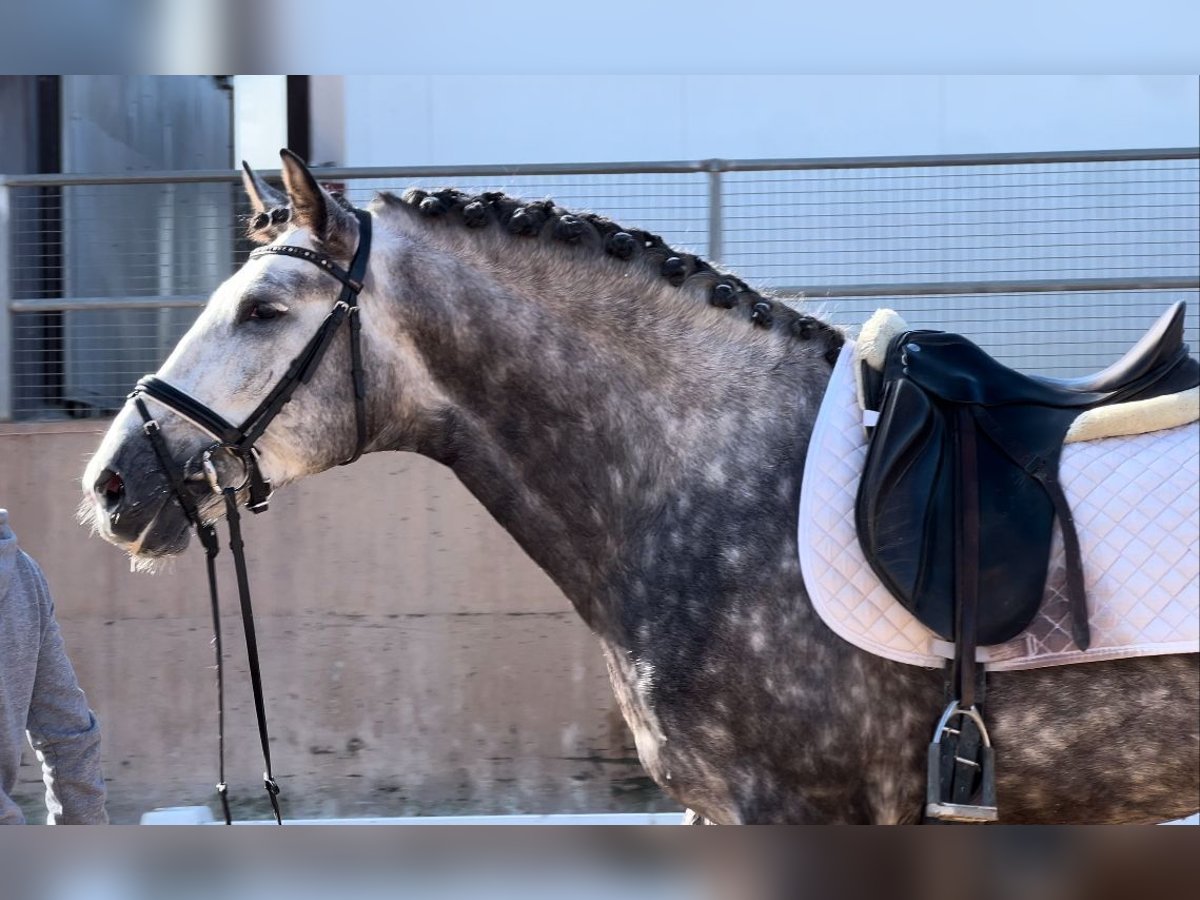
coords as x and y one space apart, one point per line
528 219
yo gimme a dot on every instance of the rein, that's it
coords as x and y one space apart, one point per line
238 442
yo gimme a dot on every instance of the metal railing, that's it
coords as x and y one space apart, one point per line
6 404
1054 261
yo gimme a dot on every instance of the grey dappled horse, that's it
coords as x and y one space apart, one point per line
638 421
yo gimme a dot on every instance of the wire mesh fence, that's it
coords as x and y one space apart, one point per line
1064 220
1055 262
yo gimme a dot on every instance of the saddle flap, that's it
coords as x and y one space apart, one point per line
898 496
905 511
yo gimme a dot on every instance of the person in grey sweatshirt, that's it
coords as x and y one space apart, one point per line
40 699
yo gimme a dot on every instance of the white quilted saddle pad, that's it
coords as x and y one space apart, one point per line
1137 507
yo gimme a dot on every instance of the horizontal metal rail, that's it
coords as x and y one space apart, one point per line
960 159
630 168
915 289
1018 286
77 304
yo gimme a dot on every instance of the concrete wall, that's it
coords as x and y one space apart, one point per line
415 661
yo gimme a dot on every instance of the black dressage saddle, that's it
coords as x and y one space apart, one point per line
960 490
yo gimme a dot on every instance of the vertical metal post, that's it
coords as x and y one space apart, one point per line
166 272
716 222
6 284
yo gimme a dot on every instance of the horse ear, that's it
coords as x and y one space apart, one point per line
262 196
312 206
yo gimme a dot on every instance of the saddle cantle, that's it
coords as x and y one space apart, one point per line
958 498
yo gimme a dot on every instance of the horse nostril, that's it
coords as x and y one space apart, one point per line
111 488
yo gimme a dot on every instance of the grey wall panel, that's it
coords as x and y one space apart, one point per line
146 123
18 134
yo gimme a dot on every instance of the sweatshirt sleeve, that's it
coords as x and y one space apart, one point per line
64 732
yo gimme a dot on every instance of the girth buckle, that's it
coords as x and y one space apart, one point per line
961 773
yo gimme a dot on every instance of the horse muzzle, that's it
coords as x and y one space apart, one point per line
129 501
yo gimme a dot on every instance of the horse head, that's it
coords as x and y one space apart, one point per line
254 328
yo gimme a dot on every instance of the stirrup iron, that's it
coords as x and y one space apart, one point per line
945 801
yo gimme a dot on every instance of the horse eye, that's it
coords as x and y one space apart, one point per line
264 311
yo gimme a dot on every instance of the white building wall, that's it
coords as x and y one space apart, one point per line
465 119
260 119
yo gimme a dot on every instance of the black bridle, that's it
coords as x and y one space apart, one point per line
238 442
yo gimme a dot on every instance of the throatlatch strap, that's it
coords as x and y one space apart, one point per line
360 387
358 271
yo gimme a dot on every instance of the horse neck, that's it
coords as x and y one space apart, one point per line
626 435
